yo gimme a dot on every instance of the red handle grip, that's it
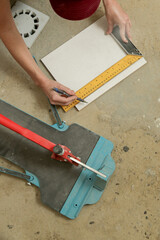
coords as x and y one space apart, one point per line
6 122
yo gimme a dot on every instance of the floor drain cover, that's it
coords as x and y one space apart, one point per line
29 22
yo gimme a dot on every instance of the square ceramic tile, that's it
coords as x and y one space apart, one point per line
86 56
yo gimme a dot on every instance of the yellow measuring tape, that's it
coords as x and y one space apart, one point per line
103 78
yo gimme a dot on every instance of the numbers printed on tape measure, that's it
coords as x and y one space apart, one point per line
103 78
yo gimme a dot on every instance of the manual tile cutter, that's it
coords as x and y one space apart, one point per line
60 152
64 187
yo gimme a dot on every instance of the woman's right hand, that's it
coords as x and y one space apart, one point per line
54 97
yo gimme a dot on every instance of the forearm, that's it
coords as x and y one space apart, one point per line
20 52
16 46
108 2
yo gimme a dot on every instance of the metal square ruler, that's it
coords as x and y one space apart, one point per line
133 55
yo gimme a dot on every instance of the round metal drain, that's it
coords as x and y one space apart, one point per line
27 22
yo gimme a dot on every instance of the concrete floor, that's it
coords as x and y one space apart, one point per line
128 115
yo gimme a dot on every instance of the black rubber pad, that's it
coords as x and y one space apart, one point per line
56 178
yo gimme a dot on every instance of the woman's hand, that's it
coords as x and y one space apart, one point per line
54 97
116 16
15 44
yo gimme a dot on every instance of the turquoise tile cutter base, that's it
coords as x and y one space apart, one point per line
64 187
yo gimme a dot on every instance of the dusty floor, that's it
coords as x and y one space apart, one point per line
128 115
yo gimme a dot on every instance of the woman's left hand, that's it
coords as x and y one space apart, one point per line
116 16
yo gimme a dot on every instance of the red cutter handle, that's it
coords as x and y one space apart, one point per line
43 142
27 133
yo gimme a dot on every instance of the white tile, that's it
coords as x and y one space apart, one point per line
84 57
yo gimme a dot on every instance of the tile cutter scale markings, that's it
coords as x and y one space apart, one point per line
133 55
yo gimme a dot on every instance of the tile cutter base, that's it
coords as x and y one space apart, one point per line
63 187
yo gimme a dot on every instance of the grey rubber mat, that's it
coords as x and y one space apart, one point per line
56 178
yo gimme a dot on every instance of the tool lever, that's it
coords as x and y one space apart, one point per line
43 142
59 152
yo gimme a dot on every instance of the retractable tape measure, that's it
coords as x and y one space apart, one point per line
133 55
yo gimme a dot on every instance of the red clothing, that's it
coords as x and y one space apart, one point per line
75 9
